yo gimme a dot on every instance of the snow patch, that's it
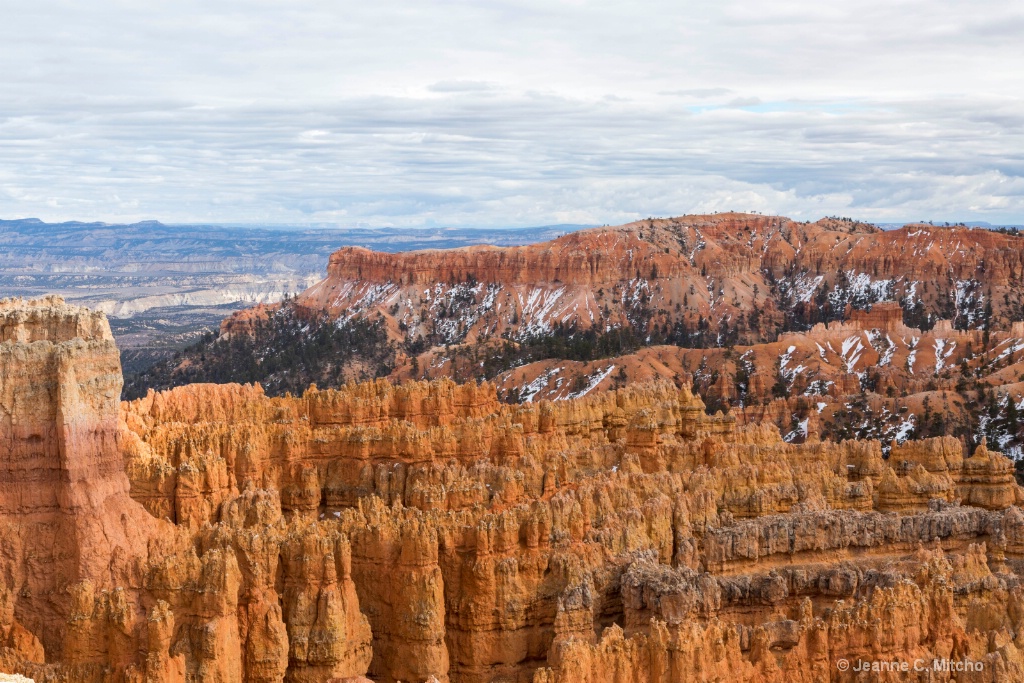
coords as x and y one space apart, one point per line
537 385
593 381
943 350
853 347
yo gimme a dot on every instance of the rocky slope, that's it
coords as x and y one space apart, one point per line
747 276
834 327
870 376
430 532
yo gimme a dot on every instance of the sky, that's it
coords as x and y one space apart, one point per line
494 114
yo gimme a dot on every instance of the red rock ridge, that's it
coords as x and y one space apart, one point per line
667 258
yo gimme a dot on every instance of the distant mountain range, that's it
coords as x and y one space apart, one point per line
968 224
28 242
162 285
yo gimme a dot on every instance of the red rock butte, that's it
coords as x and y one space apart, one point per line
687 285
593 275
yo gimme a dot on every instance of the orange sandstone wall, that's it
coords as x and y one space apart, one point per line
428 532
497 542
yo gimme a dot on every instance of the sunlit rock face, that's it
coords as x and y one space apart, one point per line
626 531
428 532
69 523
658 271
95 588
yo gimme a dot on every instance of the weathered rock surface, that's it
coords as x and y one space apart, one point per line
70 527
723 274
94 588
429 532
493 542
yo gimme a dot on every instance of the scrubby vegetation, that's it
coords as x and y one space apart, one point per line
489 359
285 353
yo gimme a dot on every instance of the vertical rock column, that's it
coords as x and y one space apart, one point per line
401 590
66 515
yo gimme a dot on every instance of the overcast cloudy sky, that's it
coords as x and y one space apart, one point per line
422 112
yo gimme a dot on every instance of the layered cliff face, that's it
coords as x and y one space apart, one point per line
683 273
95 589
626 535
64 505
429 532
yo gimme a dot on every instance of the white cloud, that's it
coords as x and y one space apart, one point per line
502 113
